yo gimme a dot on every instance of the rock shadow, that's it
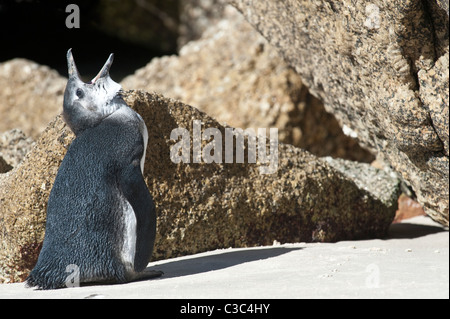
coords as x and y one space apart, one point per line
200 264
410 230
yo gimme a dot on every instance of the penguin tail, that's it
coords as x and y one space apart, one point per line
42 282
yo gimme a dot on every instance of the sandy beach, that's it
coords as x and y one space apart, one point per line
413 262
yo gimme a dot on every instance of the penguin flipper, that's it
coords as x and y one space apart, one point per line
137 194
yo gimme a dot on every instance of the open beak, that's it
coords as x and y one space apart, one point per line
104 72
73 71
72 68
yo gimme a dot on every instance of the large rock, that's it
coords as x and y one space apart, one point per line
203 206
236 77
197 16
31 96
381 68
24 193
14 145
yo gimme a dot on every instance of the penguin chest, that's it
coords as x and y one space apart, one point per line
128 250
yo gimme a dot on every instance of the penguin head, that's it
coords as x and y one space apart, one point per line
87 104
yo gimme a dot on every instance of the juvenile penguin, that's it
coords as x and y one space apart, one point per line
101 220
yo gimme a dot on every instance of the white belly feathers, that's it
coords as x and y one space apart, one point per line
129 242
129 218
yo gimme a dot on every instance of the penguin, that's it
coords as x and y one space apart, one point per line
101 220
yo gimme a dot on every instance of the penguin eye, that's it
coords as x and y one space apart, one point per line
80 93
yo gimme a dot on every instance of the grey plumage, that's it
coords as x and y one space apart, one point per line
100 214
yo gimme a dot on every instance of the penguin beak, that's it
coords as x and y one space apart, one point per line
72 68
104 72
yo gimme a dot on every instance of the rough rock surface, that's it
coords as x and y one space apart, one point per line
14 145
31 96
381 67
379 183
197 16
235 76
24 194
200 206
443 4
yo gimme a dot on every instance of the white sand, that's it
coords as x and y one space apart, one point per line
412 263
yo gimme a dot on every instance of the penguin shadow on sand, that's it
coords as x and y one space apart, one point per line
191 265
